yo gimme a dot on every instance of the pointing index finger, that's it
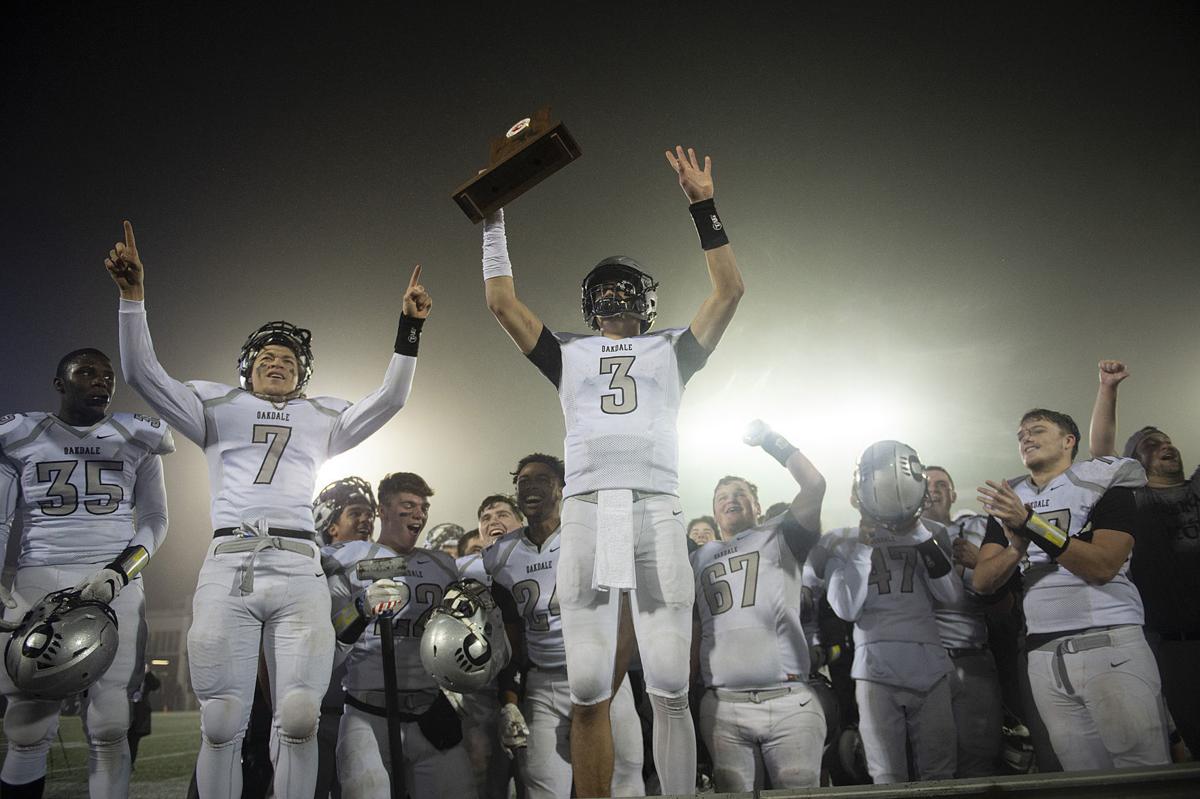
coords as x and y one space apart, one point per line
416 276
130 242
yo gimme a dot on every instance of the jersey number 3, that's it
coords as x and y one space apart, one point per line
623 398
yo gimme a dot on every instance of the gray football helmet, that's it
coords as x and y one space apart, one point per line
63 645
464 644
890 483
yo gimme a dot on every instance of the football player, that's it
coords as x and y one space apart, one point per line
497 514
435 761
622 532
974 683
884 576
758 713
523 565
345 510
702 530
261 579
89 488
1093 676
1166 560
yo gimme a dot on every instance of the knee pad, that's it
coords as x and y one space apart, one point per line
666 668
591 690
28 722
297 717
222 720
107 717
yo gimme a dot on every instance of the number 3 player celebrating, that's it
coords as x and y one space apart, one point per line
262 577
622 524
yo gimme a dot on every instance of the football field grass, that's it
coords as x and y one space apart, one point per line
162 771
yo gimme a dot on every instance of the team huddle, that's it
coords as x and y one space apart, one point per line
524 649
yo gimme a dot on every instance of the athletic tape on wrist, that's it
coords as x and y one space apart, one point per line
130 562
408 335
495 248
708 224
1050 538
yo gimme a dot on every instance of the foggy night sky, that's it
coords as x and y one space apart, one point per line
945 214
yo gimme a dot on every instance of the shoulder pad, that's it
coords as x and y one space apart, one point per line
672 333
330 405
147 431
207 390
567 338
1105 473
16 426
348 553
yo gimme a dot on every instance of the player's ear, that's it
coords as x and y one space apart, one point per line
854 497
59 386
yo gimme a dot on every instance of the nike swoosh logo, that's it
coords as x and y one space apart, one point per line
676 513
107 436
1055 488
554 549
1112 665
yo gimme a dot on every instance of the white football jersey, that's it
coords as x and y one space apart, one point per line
886 591
620 401
518 566
748 600
962 624
79 499
471 567
1055 599
424 584
262 456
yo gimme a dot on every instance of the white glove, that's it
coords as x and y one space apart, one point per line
756 433
6 599
514 732
104 585
382 596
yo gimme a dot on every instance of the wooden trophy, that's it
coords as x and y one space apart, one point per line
531 151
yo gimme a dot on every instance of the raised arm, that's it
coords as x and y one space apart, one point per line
727 287
1102 434
806 507
522 326
373 411
169 398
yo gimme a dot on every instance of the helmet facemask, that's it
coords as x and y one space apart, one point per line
618 287
297 339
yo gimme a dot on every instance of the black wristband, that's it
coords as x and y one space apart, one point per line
408 335
1049 538
778 448
708 224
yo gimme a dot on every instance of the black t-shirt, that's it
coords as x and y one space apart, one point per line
1166 558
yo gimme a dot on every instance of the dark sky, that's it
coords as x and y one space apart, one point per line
945 214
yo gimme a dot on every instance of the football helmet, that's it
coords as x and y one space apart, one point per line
890 483
337 496
625 275
464 645
63 645
444 534
297 339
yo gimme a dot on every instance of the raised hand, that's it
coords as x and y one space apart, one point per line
417 302
696 183
125 266
1112 373
756 433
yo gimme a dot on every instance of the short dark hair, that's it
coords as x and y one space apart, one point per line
930 467
555 464
64 363
733 478
710 521
1064 422
403 482
464 541
492 499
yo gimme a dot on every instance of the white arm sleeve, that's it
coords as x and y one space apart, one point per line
948 588
372 412
847 573
169 398
150 505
